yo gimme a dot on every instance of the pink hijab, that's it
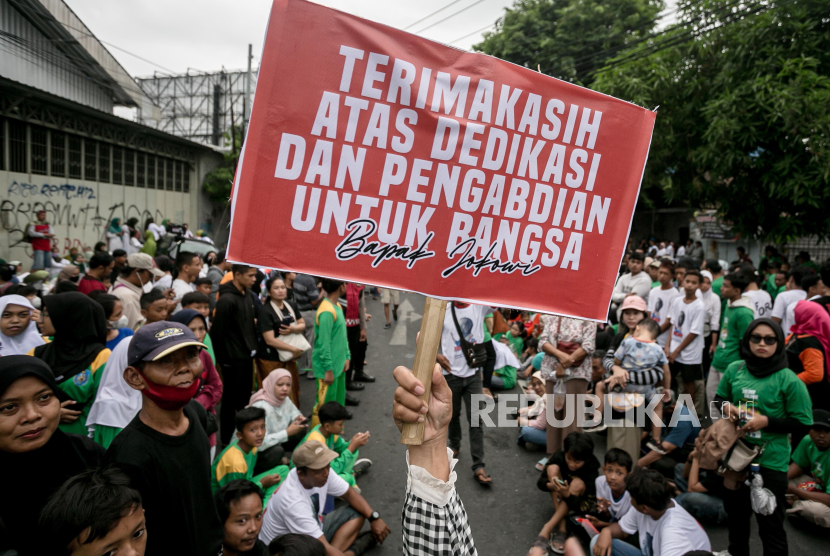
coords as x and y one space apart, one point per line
811 318
267 391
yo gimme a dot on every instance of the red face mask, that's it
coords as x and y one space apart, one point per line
170 398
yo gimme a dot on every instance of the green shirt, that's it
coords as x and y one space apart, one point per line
716 285
779 395
655 284
508 375
331 346
232 464
487 336
807 455
344 464
83 387
209 343
734 323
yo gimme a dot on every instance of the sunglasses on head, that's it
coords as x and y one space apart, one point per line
757 339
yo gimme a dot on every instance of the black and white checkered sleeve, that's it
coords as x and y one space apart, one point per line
433 530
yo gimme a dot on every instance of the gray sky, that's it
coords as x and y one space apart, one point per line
175 35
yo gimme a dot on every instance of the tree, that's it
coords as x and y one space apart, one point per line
219 181
569 39
743 125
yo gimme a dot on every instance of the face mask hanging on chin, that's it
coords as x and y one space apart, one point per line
169 398
122 322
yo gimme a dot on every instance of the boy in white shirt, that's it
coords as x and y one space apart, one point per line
685 350
660 301
613 501
664 527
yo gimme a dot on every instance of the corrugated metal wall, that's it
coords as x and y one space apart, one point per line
26 56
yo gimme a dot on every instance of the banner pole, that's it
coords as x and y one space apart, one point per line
432 325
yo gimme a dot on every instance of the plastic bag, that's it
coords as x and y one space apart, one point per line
762 499
559 395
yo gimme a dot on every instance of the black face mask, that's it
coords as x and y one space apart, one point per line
75 278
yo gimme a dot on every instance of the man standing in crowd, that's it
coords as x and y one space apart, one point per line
713 266
216 272
119 257
635 282
128 287
793 294
761 300
736 319
234 344
813 286
307 297
331 356
100 266
188 266
463 380
165 450
40 233
390 297
660 301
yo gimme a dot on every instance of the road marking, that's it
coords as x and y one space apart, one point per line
405 314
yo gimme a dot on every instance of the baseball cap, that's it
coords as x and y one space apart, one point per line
14 263
634 302
144 261
655 263
313 454
821 419
153 341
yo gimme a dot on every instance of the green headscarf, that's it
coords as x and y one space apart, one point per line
115 226
149 246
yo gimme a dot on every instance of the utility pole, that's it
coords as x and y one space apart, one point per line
246 106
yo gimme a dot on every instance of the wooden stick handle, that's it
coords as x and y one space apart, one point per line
425 352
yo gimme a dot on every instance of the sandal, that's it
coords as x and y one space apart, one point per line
557 542
482 477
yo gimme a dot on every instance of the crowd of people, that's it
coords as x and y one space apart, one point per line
168 390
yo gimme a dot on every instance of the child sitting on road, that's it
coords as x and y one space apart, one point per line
570 478
347 464
647 367
613 501
238 459
532 419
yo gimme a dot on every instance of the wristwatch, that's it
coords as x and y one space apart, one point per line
374 517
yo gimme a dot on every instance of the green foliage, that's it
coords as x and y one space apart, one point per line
569 39
743 124
219 181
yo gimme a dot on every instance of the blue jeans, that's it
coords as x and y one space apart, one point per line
532 435
42 259
496 383
619 548
703 507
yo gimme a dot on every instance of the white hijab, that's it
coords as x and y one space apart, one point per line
115 403
24 342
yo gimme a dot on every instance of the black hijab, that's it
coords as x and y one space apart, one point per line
80 334
763 367
36 475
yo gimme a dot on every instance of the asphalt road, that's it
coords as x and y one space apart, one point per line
506 517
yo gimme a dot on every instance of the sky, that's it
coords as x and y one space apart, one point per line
173 36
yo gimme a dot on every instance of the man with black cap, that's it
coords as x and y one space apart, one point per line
297 507
165 449
809 473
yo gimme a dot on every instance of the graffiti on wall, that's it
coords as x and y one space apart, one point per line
76 211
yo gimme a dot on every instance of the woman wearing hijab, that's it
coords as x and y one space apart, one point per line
763 390
77 354
37 457
149 246
284 424
210 391
808 346
114 235
18 332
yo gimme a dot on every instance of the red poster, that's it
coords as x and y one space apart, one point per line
379 157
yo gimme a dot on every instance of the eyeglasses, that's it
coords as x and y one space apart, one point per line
768 340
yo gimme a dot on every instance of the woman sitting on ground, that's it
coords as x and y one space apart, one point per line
284 424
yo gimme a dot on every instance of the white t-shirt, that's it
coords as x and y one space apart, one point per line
471 321
762 302
618 508
291 510
674 534
789 315
659 305
782 301
687 318
181 289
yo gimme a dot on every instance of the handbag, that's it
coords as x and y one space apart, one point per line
569 348
295 339
474 354
735 464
